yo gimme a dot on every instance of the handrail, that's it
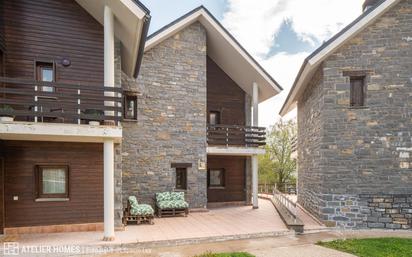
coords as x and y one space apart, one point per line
67 102
236 135
286 202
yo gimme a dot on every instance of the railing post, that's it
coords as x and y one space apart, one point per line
79 108
35 100
227 137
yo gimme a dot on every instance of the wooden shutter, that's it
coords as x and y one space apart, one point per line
357 91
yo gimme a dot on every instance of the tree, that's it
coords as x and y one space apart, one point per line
277 165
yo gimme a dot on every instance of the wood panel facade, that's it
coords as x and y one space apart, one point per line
50 30
85 162
235 179
224 96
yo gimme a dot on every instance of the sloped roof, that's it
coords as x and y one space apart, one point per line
224 50
313 61
130 27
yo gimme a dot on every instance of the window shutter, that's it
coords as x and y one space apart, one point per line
357 93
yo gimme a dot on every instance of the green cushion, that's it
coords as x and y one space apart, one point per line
180 204
142 210
165 196
178 196
132 200
174 204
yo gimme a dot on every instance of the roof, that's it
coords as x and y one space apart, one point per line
130 27
224 50
313 61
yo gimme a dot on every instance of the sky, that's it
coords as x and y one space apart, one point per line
279 34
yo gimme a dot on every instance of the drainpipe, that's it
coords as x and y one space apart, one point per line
108 143
255 165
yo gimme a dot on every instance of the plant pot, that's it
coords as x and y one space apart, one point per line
94 123
6 119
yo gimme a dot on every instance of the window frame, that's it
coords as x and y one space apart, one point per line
218 117
126 97
184 169
39 65
353 91
39 182
223 179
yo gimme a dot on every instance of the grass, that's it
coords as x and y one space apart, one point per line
235 254
373 247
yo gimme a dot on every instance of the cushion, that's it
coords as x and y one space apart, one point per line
180 204
165 196
174 204
132 200
178 196
142 210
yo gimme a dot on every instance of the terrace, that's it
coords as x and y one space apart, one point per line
53 102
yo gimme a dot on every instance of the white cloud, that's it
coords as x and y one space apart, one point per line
256 24
284 68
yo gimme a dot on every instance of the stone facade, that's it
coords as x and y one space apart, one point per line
171 125
355 164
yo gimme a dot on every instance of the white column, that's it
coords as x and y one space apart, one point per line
108 55
255 164
255 182
108 143
255 105
108 190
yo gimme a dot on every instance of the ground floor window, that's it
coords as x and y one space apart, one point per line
181 178
52 181
216 178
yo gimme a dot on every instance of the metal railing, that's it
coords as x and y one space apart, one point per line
282 199
36 101
267 188
233 135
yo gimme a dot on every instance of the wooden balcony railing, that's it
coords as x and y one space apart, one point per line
230 135
30 100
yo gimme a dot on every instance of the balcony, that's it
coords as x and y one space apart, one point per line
235 136
54 102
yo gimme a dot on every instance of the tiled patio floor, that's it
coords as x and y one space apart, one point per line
220 222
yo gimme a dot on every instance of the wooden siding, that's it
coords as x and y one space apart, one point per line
50 30
85 183
224 95
1 189
234 178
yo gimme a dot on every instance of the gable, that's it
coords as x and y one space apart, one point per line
312 62
224 50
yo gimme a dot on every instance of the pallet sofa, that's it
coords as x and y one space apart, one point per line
139 213
171 204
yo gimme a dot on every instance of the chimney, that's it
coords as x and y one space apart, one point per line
369 4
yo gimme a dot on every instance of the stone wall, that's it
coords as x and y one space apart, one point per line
355 170
309 131
171 125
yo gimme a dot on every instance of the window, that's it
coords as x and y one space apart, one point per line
214 117
130 107
45 72
181 178
357 91
52 181
216 178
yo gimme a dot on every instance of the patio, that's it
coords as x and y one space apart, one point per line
216 225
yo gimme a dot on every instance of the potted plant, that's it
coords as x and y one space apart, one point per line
94 116
4 113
